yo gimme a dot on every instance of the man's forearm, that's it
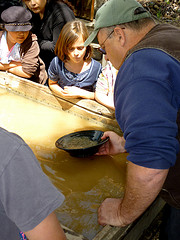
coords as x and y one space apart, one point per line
142 187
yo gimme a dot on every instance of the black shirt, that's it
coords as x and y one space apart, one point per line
56 15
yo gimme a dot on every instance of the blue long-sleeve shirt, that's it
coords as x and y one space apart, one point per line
147 98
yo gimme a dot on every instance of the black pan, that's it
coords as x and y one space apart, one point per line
81 143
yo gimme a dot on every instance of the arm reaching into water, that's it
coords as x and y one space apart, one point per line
142 187
114 146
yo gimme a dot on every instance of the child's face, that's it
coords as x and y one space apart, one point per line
17 37
36 6
77 51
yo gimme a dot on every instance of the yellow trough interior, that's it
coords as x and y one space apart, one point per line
40 118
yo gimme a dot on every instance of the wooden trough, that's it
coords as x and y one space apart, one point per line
92 111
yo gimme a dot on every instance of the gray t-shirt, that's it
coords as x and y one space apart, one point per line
26 194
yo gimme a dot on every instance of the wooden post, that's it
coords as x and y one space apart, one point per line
92 10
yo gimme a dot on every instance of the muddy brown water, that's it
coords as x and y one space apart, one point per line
85 182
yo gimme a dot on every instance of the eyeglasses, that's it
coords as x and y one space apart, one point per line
100 49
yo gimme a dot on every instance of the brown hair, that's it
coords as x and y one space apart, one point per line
68 36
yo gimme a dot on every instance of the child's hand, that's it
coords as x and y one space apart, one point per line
71 91
76 92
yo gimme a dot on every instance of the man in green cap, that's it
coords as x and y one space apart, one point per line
147 100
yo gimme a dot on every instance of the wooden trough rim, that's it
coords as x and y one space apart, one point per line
85 108
98 113
8 79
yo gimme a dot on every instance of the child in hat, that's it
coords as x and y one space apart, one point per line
19 49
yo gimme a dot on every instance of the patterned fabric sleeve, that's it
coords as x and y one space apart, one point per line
106 80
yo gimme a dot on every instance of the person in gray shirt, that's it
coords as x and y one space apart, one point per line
27 197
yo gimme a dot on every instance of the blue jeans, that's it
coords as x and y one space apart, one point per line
170 229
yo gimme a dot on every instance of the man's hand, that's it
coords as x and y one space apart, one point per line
109 212
142 187
114 146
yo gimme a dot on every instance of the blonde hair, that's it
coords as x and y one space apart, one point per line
68 36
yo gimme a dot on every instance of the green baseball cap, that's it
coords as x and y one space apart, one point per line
115 12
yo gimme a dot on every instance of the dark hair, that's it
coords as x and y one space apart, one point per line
68 36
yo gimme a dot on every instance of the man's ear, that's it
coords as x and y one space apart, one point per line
120 35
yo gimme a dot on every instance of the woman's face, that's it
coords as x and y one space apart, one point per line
36 6
77 51
17 37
